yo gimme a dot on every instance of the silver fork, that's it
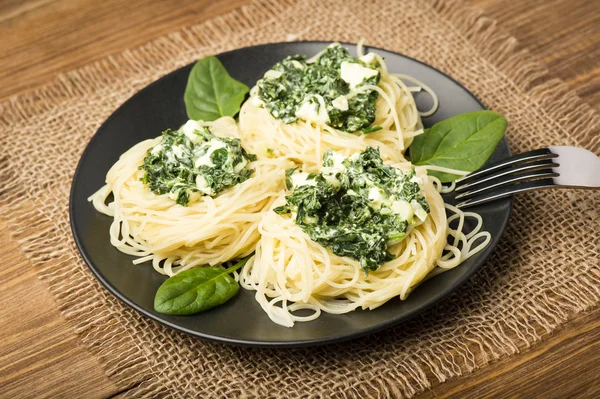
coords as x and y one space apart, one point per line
551 167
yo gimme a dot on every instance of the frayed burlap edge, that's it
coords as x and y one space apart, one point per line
577 118
126 364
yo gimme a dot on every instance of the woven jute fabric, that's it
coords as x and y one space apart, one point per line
545 269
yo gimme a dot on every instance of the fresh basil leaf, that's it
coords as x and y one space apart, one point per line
196 290
211 92
463 142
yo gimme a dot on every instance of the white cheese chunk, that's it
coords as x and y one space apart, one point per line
419 211
202 185
273 74
376 198
417 179
311 219
368 58
404 209
300 179
178 151
330 172
338 166
170 157
313 111
189 128
297 64
157 148
340 103
204 159
241 165
354 74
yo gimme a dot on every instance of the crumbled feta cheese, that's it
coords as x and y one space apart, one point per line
340 103
354 73
157 148
202 185
368 58
297 65
376 198
213 145
300 179
241 165
178 150
403 208
189 128
273 74
330 172
419 211
313 111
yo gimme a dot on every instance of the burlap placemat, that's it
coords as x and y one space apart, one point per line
546 268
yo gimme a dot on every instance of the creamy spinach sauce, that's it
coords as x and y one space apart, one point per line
356 206
326 90
191 162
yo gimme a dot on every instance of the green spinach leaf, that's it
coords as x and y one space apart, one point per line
463 142
211 92
196 290
371 129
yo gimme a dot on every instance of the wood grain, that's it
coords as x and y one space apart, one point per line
39 354
565 35
41 38
566 365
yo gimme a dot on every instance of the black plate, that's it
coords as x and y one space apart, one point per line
242 321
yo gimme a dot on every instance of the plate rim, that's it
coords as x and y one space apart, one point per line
276 344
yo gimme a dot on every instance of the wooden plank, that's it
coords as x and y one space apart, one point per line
566 365
41 39
40 356
564 34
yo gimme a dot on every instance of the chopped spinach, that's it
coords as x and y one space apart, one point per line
356 206
371 129
195 162
296 88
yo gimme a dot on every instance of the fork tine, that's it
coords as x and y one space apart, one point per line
507 191
509 180
545 164
526 157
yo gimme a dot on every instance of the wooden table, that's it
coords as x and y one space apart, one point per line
41 357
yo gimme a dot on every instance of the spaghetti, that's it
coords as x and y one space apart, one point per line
208 231
290 272
305 141
295 277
